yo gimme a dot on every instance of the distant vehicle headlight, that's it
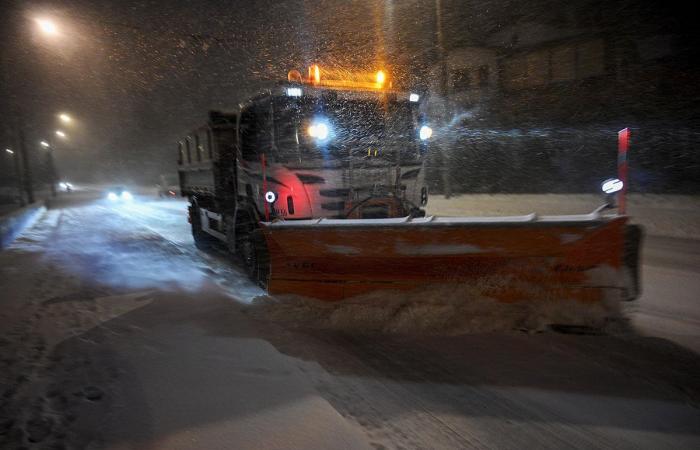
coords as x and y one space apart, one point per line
425 132
112 196
126 195
63 185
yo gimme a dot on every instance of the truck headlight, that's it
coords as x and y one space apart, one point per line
425 132
319 130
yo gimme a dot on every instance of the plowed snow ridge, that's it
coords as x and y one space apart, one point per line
435 310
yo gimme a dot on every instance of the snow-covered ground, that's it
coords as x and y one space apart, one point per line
434 310
117 332
116 337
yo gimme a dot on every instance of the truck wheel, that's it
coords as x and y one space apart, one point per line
253 252
201 239
231 234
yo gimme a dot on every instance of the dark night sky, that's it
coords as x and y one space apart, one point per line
138 74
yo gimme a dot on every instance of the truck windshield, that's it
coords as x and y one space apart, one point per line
320 130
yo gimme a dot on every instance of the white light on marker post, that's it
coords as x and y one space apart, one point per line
612 185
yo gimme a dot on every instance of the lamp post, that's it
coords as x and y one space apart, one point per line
50 165
27 178
50 29
18 174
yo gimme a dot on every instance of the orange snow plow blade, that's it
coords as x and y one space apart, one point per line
568 257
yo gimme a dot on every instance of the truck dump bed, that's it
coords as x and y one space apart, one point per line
203 152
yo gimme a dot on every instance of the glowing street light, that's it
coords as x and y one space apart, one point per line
60 134
65 118
9 151
47 26
44 144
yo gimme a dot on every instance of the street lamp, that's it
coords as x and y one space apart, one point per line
44 144
9 151
60 134
65 118
47 26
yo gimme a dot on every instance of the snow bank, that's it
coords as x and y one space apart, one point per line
433 310
660 215
13 223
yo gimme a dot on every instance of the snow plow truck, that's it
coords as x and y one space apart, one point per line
318 185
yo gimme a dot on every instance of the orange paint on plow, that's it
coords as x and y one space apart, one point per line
333 260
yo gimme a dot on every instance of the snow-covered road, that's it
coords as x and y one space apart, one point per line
669 306
117 332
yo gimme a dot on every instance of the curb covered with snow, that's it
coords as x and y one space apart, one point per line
13 223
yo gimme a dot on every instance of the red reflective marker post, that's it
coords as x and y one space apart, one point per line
623 143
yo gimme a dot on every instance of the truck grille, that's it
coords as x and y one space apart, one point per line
334 192
310 179
333 206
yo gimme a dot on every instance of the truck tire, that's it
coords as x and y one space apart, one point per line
251 248
253 253
231 234
201 239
